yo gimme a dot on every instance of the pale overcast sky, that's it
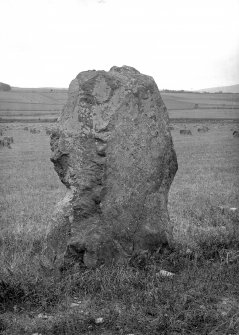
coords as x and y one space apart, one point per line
183 44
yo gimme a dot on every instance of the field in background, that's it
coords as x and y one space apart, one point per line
207 177
29 185
46 104
35 104
182 101
202 106
208 170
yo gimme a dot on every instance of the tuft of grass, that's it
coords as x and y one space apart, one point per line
205 228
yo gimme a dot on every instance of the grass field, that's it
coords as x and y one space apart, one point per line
201 298
204 100
22 104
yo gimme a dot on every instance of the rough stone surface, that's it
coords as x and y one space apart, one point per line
113 151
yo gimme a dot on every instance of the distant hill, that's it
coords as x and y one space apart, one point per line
5 87
222 89
45 104
39 89
176 91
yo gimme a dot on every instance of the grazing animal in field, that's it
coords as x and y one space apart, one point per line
204 129
6 142
10 139
34 131
185 132
235 133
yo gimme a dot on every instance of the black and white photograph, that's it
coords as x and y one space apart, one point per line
119 167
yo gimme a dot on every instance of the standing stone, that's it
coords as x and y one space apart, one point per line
113 151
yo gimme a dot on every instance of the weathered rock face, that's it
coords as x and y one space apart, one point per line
113 150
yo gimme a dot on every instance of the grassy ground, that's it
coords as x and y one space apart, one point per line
207 178
200 298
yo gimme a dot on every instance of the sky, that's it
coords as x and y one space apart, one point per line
182 44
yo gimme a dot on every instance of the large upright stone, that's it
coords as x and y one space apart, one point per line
113 150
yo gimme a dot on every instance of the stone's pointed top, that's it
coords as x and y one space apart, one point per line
124 69
86 75
115 71
97 87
